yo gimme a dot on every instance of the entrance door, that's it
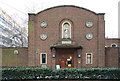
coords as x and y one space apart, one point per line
66 61
62 62
65 58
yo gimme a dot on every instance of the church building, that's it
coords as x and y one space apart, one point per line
69 37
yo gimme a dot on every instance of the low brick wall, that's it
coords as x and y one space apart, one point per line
110 53
11 59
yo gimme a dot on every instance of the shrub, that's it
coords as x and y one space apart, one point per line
23 73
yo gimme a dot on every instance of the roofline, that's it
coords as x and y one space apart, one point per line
66 6
31 14
112 38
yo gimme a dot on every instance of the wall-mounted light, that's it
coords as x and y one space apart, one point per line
53 49
79 55
53 55
16 52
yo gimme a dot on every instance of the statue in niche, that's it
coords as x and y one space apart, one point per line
66 30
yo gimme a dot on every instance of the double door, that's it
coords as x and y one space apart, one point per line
66 61
65 58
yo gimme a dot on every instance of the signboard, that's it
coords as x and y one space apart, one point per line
44 66
57 66
66 42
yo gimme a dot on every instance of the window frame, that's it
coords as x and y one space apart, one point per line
113 44
90 59
41 58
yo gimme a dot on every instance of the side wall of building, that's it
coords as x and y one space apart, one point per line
109 42
11 59
112 57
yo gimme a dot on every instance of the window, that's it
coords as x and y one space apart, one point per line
113 45
88 58
43 58
66 30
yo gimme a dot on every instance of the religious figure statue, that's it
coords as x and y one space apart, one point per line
66 30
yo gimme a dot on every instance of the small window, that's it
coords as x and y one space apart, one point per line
43 58
114 45
88 58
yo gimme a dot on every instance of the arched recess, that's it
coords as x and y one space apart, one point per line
66 29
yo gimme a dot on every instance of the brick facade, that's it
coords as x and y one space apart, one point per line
79 44
112 53
11 59
112 56
110 41
78 18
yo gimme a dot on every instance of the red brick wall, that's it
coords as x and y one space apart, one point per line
101 41
54 17
11 59
78 17
31 41
112 57
109 41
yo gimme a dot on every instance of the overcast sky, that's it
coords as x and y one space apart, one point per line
18 9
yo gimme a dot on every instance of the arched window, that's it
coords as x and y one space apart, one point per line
66 30
113 45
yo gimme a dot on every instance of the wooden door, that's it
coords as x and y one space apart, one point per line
66 61
63 55
62 62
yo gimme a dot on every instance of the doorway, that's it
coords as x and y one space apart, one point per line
65 58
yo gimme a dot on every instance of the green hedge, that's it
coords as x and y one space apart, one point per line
67 73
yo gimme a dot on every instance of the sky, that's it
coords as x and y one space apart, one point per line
19 9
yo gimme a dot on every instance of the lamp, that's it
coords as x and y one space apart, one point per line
53 49
79 55
53 55
16 52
